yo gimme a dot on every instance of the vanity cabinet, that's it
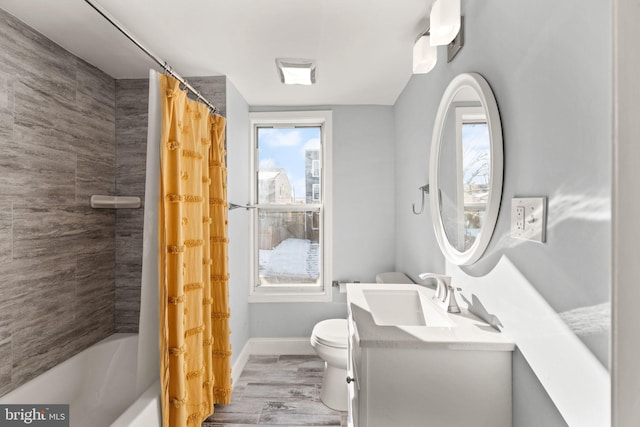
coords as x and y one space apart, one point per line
441 385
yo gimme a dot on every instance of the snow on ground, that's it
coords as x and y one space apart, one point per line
293 260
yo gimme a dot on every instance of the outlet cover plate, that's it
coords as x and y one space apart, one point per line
529 218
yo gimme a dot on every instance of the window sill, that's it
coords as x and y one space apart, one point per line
269 296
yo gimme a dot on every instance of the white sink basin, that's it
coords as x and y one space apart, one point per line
387 315
396 307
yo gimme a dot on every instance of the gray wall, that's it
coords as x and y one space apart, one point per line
57 255
237 191
363 217
549 66
131 151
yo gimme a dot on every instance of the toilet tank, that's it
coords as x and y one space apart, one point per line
393 277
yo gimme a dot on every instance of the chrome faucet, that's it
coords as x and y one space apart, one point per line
445 295
450 301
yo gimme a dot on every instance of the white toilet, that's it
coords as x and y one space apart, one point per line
329 339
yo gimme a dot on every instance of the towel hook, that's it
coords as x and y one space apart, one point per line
424 190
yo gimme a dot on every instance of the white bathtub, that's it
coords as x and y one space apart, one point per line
99 384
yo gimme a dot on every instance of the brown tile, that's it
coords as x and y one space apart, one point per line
55 228
297 407
214 89
95 292
29 169
235 418
309 375
57 255
242 405
277 390
94 175
96 91
6 359
300 420
6 232
6 105
286 401
131 98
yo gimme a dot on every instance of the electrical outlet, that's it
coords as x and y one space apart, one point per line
520 212
529 218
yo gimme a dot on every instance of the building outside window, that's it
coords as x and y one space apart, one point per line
292 220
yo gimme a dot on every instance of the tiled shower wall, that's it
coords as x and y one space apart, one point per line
131 140
57 255
69 274
131 147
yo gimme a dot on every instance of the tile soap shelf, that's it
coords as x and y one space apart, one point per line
114 202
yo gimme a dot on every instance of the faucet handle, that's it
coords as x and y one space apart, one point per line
442 282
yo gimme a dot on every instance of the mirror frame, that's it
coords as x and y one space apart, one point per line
488 101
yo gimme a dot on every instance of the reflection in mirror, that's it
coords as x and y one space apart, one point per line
476 168
465 144
467 168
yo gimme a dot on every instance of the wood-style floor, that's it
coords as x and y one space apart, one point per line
278 391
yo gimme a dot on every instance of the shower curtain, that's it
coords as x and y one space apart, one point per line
194 335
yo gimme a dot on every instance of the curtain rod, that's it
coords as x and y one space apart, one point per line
165 66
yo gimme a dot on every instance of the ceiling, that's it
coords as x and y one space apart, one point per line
362 47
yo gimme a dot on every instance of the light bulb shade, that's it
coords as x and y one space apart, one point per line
296 71
445 21
425 56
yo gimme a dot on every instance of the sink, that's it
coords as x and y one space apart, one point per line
399 307
423 363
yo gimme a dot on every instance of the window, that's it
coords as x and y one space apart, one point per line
472 133
291 225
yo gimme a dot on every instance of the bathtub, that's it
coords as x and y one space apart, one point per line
99 384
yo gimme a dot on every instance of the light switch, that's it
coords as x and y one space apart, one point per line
529 218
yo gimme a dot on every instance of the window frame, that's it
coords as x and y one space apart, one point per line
293 293
316 191
315 168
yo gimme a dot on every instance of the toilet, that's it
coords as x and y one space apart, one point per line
329 339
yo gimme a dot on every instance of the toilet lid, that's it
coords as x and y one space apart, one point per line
332 333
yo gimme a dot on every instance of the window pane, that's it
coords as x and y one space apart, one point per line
289 248
289 164
476 167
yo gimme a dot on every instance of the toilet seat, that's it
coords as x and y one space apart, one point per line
331 333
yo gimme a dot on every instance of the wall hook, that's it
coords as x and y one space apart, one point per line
423 190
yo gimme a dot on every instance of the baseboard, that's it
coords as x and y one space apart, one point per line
241 361
267 346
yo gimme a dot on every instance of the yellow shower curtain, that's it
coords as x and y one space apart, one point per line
195 352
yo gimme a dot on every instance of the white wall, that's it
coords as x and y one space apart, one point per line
550 69
363 217
237 192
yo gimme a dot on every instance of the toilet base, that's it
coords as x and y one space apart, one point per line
334 388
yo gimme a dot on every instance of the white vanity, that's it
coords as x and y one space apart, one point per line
417 361
413 364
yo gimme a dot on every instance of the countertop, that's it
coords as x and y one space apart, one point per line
467 333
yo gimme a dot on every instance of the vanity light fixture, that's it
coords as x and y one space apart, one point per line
296 71
445 21
456 45
425 55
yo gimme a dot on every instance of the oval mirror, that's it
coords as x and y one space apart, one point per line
466 169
